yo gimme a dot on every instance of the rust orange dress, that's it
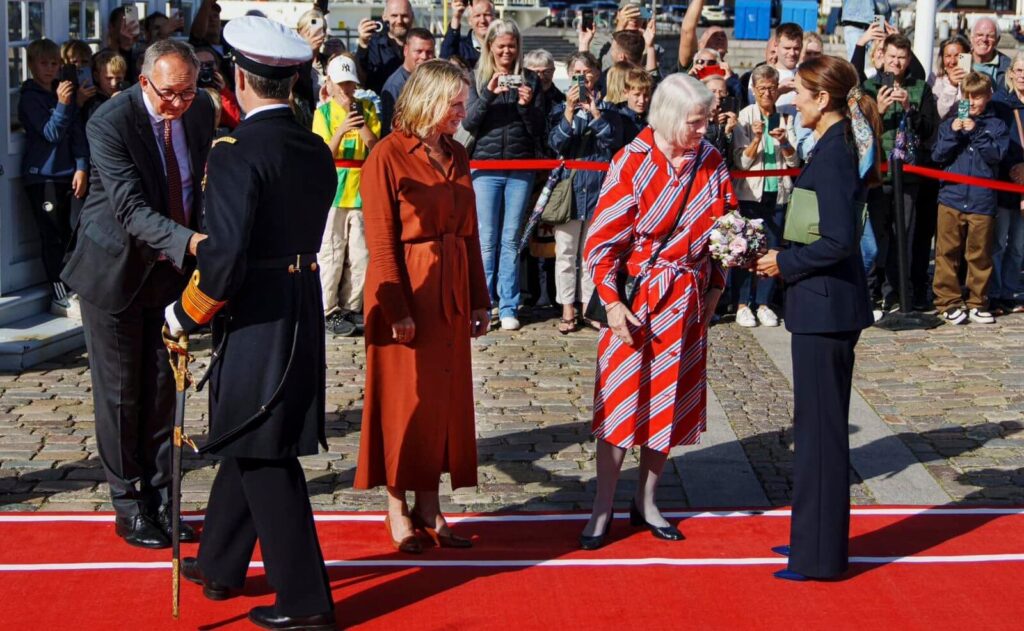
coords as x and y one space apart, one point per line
425 262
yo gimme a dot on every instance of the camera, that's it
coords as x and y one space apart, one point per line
207 77
510 81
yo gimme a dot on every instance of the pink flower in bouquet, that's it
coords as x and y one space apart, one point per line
738 245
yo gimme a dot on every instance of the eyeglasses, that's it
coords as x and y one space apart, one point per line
703 62
766 89
168 96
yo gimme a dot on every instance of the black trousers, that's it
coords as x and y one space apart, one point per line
133 393
267 500
51 209
820 527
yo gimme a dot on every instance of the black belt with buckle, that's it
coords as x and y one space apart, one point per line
291 264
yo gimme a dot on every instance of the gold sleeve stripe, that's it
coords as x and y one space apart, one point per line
198 305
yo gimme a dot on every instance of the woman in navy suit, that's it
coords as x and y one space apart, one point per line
826 309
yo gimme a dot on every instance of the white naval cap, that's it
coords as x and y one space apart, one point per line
265 47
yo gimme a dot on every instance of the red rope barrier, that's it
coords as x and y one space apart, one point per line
936 174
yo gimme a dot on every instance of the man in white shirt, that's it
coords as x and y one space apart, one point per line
789 39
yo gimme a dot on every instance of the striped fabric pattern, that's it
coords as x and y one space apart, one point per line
654 394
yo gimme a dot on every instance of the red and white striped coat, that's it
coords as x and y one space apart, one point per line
653 393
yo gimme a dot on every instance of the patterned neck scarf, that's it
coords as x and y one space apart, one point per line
863 135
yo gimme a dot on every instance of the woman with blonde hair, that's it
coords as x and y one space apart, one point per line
505 124
1008 244
615 82
425 297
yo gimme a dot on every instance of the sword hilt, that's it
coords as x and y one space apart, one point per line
175 587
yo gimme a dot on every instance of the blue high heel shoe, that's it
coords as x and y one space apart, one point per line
790 575
781 550
668 533
596 541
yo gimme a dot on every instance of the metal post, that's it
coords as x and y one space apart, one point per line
905 319
924 33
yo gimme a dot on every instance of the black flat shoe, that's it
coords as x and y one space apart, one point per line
596 541
668 533
267 618
141 531
185 532
211 589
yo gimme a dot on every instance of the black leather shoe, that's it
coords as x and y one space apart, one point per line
211 589
267 618
668 533
139 530
596 541
185 532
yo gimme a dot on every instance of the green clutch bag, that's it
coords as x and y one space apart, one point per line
802 217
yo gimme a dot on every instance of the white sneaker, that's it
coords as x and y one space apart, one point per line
509 324
745 317
979 316
766 316
954 316
877 314
67 307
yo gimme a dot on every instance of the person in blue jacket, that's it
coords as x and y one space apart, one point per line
973 145
826 308
55 165
467 47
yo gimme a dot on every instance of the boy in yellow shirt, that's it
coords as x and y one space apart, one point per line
350 127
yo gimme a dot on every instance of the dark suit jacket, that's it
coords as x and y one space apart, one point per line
125 225
827 291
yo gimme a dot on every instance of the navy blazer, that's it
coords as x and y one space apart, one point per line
125 225
826 289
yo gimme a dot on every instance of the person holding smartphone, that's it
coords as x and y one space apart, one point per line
763 139
724 117
467 47
903 101
381 44
123 33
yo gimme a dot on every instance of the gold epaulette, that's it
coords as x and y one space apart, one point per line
198 305
228 139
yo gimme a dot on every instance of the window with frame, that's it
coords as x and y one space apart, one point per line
26 21
85 22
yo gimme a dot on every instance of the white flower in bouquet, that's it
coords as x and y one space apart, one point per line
736 241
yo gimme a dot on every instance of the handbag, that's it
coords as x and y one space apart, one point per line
802 217
561 202
1017 170
627 284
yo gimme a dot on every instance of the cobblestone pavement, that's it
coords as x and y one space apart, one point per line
954 395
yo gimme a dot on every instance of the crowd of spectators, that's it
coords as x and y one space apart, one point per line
965 117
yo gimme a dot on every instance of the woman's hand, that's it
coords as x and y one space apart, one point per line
619 319
585 37
873 32
479 322
525 95
591 106
493 86
757 129
404 331
768 264
84 94
80 184
728 120
956 75
352 122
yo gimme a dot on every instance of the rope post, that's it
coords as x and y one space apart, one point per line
905 319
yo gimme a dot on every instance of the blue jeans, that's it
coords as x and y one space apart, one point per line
1007 254
745 285
501 198
868 247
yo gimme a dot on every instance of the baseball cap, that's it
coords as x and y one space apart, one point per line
342 69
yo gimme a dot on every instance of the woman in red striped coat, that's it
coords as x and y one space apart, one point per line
651 376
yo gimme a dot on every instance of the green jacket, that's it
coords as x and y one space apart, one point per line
924 115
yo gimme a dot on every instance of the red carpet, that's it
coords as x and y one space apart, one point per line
936 569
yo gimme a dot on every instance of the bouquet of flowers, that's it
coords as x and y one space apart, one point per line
737 241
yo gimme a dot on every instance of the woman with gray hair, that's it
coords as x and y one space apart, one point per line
653 222
506 125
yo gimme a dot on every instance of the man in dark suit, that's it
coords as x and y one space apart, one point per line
269 187
130 255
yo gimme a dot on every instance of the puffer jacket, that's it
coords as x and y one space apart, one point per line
590 139
976 153
504 130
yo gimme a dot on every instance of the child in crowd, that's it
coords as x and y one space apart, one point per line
350 127
971 143
638 88
77 53
108 75
55 163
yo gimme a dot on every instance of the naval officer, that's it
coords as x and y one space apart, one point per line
268 188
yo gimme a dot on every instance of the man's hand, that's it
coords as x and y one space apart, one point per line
404 331
80 184
315 38
367 28
786 86
728 120
479 322
84 94
173 326
585 37
726 68
885 99
969 124
173 25
619 319
65 92
902 97
591 106
873 32
193 243
650 31
625 14
458 9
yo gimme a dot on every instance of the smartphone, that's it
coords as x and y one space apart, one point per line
581 83
645 13
85 77
710 71
965 62
774 121
887 79
963 109
316 24
588 19
880 20
131 19
355 110
69 72
729 104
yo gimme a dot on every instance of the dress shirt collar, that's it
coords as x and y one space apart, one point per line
154 118
265 108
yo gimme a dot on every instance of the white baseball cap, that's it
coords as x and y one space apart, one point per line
342 69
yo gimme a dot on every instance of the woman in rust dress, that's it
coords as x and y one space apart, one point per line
425 297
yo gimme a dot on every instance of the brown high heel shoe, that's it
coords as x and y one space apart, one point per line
442 541
408 545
